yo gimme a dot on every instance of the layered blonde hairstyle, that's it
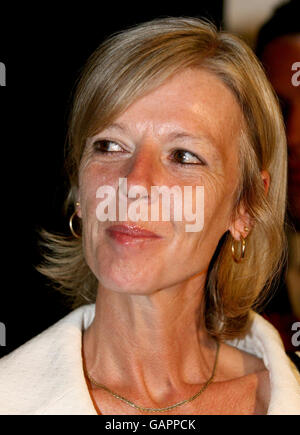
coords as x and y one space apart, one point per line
130 64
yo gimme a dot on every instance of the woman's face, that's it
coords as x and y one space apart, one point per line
184 133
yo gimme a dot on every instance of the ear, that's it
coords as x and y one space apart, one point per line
78 210
243 223
78 205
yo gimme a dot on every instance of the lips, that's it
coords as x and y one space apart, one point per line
132 235
133 231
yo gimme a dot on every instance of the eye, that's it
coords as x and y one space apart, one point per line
106 146
184 157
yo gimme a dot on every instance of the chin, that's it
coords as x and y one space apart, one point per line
134 282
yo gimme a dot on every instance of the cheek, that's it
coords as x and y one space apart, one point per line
214 209
218 202
93 176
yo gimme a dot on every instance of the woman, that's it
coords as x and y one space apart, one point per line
168 103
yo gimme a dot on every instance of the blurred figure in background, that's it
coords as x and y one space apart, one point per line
278 47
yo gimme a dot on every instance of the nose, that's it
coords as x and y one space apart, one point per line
143 170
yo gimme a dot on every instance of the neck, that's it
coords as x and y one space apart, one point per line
156 342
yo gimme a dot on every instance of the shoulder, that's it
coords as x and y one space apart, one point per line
237 363
247 375
38 371
261 351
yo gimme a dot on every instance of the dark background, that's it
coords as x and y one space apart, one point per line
44 49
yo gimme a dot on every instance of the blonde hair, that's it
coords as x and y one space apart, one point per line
136 61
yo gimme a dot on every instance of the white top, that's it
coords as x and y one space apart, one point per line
45 375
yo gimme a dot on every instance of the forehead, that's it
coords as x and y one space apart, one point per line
194 100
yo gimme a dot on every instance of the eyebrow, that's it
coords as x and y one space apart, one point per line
177 135
116 126
174 135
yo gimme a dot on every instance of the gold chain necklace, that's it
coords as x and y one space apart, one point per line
167 408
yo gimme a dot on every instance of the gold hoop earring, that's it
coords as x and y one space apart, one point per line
71 225
243 248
